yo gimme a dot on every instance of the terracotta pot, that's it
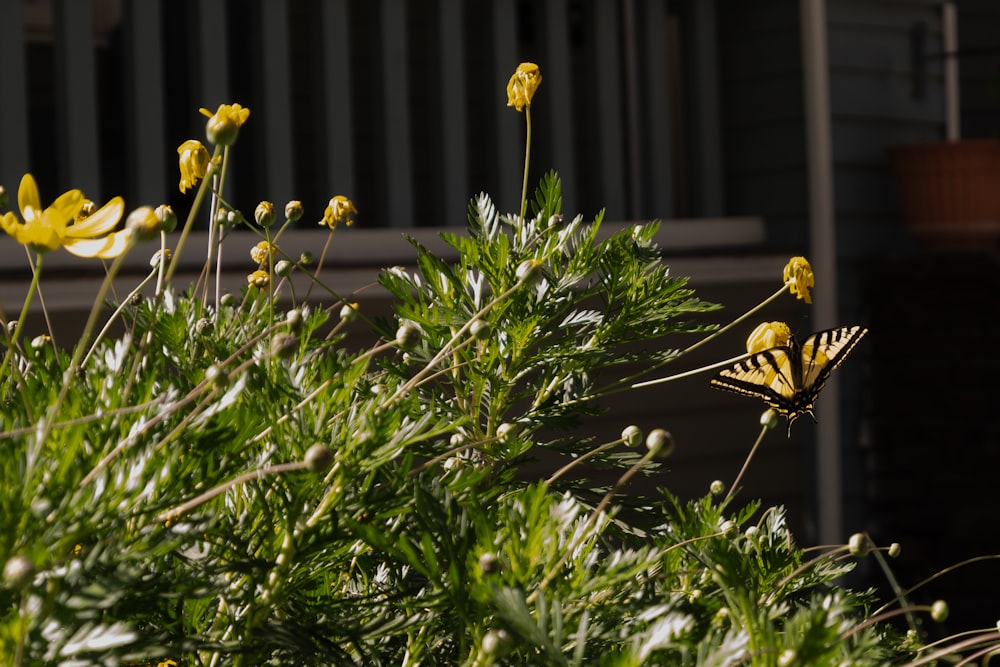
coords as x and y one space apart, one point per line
950 192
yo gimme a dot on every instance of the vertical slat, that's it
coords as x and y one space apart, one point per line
209 71
709 193
510 151
76 96
147 168
14 101
337 103
453 111
395 87
558 96
658 144
277 116
610 135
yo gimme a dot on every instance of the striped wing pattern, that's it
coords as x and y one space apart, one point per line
789 378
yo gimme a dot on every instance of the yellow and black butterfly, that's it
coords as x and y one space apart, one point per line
790 377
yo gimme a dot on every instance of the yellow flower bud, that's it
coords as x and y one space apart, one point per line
259 279
522 85
264 214
293 210
168 219
194 161
768 335
224 125
798 276
261 252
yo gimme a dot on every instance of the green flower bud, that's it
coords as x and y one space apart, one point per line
728 528
162 255
529 271
283 345
769 419
227 300
234 218
168 219
457 440
632 435
283 268
660 442
480 330
349 312
204 326
407 335
216 377
293 319
143 224
939 611
506 432
496 642
306 258
293 210
18 573
717 487
894 550
859 545
264 214
488 563
318 458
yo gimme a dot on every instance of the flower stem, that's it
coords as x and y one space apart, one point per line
527 159
746 464
13 337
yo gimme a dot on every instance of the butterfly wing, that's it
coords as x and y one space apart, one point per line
770 374
822 353
789 378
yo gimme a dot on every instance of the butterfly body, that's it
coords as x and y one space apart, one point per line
789 377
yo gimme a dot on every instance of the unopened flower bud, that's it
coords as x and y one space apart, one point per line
18 572
168 219
164 254
228 300
717 487
204 326
728 528
293 319
143 224
859 545
787 657
632 435
4 201
349 312
480 330
407 335
895 549
318 458
506 432
769 419
529 271
488 563
234 218
939 611
306 258
660 442
264 214
496 642
293 210
216 377
283 268
283 345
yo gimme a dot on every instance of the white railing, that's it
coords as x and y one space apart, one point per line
394 102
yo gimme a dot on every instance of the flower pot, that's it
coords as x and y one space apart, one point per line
950 192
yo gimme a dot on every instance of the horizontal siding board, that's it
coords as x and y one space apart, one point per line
774 53
883 98
767 147
882 52
868 14
862 139
765 100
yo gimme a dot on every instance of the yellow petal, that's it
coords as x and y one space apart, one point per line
67 206
107 247
27 197
100 222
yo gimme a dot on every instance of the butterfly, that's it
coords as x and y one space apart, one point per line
790 377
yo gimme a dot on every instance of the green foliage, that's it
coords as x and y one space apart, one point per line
167 510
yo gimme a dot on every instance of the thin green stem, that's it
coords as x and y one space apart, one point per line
12 338
746 464
527 160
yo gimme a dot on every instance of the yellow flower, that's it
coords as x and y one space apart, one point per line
522 85
223 125
799 278
768 335
260 252
58 226
340 209
194 161
264 214
258 279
